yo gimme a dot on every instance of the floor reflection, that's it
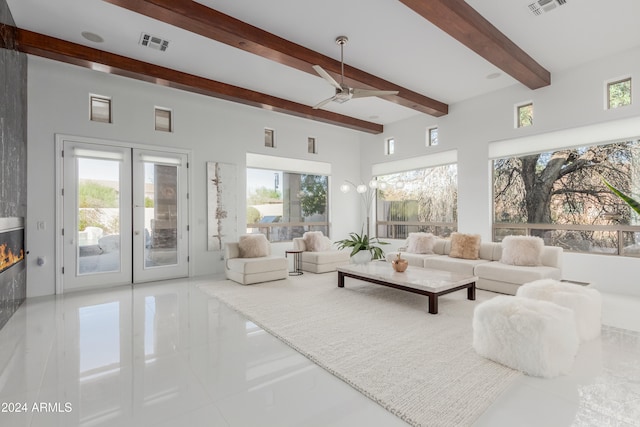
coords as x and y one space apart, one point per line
165 354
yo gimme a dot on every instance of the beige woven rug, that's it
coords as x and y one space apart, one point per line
381 341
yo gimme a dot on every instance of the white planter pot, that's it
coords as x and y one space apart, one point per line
361 257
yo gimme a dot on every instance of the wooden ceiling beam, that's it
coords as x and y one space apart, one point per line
210 23
465 24
83 56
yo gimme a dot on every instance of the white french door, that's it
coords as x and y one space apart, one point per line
124 215
160 236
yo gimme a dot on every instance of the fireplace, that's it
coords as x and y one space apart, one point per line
12 267
11 242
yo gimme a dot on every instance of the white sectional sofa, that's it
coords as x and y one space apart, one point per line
492 274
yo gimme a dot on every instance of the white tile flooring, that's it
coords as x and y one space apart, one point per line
165 354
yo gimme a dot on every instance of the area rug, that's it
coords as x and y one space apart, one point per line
381 341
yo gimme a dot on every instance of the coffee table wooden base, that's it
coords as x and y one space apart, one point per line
433 296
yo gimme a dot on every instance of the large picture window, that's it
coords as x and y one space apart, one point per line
560 196
418 200
283 205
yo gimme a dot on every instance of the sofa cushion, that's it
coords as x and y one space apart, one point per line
516 274
325 257
465 246
421 243
257 265
253 246
442 247
454 265
522 250
315 241
491 251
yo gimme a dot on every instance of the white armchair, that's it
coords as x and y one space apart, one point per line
250 261
318 256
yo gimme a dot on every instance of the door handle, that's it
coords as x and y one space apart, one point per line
137 233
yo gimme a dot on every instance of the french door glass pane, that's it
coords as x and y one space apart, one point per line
98 216
160 215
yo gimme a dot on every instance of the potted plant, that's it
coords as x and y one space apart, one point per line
362 243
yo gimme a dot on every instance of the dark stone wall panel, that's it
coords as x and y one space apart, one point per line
13 157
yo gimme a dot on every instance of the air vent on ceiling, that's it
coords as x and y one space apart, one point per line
154 42
545 6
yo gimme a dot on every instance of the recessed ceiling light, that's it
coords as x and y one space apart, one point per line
92 37
493 76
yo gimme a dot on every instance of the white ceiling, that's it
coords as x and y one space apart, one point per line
386 39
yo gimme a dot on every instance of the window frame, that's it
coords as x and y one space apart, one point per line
169 118
92 112
312 147
518 108
607 92
429 135
528 229
267 228
269 138
389 146
433 226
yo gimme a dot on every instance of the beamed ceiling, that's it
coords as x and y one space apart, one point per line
261 53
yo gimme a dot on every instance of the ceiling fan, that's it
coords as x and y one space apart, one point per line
344 92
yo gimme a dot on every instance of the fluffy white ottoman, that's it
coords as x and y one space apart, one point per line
586 303
536 337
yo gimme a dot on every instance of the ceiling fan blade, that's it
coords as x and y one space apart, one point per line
362 93
327 76
321 103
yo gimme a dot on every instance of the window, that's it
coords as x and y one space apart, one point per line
432 136
163 119
283 205
311 145
524 115
100 109
560 196
619 93
418 200
389 146
269 138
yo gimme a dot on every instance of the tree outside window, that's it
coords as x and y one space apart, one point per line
283 205
432 137
565 188
619 93
418 200
525 115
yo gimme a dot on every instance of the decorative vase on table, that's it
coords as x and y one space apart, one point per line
399 264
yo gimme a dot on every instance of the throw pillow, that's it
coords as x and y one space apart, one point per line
522 250
315 241
421 243
465 246
253 246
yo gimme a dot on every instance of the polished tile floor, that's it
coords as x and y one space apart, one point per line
165 354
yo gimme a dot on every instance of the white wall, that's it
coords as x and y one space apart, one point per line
224 131
574 99
213 130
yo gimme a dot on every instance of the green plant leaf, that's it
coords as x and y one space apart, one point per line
362 242
635 205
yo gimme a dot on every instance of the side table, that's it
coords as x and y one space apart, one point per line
297 262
